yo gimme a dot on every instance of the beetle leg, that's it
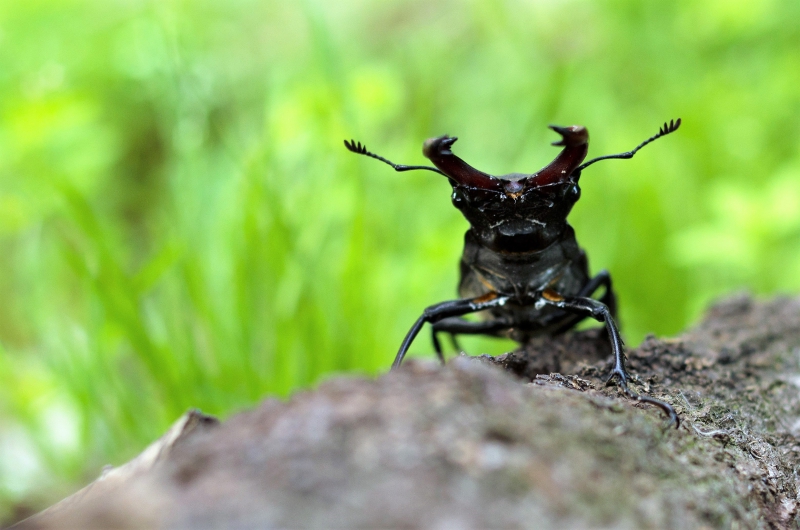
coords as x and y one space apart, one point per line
609 298
452 308
458 326
602 279
600 312
437 346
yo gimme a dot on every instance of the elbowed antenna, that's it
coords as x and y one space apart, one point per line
357 148
667 128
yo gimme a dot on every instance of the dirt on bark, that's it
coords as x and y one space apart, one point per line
530 439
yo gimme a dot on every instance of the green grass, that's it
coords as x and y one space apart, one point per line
181 226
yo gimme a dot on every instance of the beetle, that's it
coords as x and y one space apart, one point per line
522 269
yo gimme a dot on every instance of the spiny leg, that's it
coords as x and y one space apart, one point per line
600 312
452 308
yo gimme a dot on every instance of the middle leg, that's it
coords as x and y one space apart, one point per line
602 279
458 326
441 311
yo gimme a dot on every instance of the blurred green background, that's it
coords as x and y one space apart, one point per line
180 225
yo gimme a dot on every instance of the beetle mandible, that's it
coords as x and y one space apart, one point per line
522 268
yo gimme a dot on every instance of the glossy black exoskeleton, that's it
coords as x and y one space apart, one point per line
522 268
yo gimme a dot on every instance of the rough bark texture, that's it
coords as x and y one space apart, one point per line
471 445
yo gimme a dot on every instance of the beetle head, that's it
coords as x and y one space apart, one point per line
515 212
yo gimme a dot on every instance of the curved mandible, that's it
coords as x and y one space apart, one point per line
437 150
575 140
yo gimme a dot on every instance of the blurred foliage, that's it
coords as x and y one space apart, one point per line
181 226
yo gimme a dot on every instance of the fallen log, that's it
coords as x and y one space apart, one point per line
530 439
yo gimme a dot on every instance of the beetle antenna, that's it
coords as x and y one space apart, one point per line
360 149
667 128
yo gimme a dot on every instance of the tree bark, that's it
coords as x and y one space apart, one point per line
495 442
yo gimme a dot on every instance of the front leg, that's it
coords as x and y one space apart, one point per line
453 308
600 312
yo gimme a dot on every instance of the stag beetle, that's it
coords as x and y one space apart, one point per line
522 268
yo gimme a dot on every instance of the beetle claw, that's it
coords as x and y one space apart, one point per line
663 405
